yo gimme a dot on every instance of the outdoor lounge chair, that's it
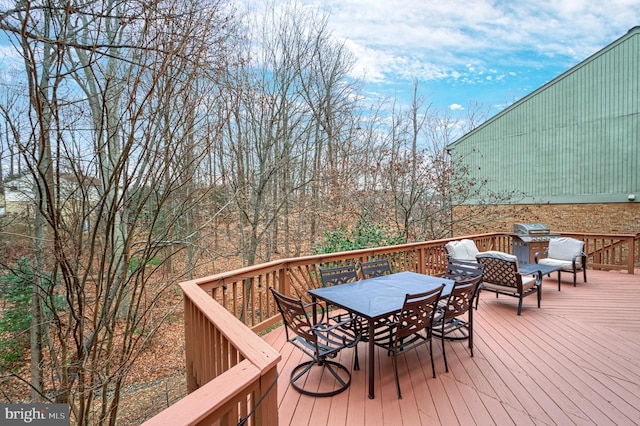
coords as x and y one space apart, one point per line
501 276
567 253
462 250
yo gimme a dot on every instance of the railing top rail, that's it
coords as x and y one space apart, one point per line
253 270
598 235
252 347
192 410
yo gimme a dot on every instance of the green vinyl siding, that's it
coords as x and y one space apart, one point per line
575 139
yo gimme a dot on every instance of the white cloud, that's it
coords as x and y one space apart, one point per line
436 40
490 51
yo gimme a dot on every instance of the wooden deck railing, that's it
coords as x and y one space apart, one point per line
231 371
610 252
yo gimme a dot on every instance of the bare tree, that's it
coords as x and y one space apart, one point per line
289 110
118 131
332 98
408 171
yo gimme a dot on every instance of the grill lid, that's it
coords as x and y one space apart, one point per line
530 229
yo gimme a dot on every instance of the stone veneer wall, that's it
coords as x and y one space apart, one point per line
614 218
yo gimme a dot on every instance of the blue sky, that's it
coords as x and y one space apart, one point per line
493 52
488 51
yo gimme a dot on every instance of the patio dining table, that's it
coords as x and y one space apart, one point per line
377 298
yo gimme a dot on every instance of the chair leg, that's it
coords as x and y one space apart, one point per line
539 296
558 280
395 369
332 367
433 367
444 352
303 368
356 363
470 328
520 305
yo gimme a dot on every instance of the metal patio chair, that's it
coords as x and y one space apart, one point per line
454 318
462 270
338 275
411 327
320 341
375 268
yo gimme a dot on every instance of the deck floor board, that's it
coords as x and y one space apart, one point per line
574 361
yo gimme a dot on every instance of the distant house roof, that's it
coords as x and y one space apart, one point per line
573 140
20 188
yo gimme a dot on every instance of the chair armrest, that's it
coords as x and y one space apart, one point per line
583 260
539 280
535 256
575 259
325 327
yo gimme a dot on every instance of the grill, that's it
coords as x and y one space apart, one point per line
529 239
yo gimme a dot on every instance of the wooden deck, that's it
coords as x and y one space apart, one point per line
576 360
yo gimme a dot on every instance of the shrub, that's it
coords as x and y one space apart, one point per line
15 318
366 234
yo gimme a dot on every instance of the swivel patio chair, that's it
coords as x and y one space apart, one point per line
450 322
566 253
375 268
320 341
411 327
501 276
